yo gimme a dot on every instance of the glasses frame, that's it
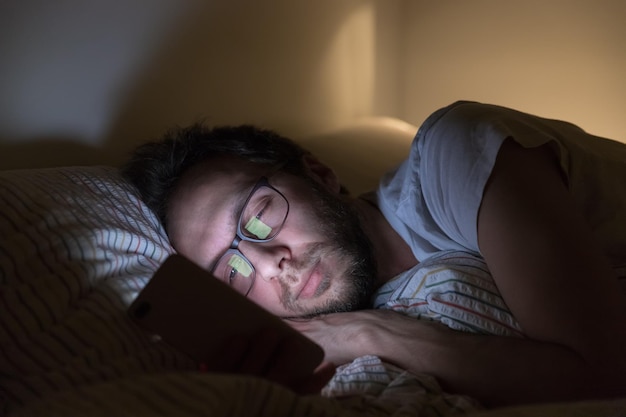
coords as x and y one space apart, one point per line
239 236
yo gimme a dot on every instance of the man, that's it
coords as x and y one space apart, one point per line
542 202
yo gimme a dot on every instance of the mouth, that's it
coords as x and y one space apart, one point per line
311 283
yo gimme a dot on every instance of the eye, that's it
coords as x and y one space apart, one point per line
238 265
263 215
259 214
232 273
254 225
261 206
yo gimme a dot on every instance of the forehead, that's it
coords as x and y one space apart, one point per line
204 203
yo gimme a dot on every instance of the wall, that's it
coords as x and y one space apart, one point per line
84 81
564 59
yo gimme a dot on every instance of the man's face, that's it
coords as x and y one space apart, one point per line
320 262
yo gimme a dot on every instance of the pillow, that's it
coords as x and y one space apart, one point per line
76 245
360 153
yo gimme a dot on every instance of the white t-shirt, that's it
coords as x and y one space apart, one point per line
432 198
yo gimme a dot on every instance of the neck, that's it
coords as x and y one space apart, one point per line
393 255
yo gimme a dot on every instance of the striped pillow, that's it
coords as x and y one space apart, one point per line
454 288
76 245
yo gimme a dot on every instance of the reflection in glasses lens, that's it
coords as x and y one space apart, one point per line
260 220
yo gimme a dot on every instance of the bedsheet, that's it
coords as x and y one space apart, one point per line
200 394
394 393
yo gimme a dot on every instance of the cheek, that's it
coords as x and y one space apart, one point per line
264 294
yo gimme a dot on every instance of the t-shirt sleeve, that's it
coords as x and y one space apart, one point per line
432 200
458 151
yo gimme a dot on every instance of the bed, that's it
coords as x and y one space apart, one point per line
77 245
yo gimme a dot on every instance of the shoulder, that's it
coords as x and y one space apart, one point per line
459 136
470 118
461 111
450 162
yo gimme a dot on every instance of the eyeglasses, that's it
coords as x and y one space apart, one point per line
261 219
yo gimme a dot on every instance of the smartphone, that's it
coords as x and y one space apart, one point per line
196 313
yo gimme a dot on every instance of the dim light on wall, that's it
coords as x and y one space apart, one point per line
351 55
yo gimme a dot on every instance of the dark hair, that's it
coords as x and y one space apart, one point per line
154 168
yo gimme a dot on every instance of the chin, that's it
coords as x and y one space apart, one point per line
332 302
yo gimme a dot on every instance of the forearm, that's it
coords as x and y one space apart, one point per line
498 370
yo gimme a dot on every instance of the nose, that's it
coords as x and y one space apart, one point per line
266 257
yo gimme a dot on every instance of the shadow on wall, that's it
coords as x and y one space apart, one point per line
233 62
55 151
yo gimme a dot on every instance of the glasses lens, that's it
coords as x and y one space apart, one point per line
264 214
236 271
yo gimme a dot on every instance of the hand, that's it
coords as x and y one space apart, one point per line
347 336
271 356
480 366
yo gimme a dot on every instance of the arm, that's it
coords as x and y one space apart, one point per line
553 278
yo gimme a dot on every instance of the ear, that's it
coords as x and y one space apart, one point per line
322 173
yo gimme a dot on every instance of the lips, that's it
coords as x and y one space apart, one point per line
311 283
